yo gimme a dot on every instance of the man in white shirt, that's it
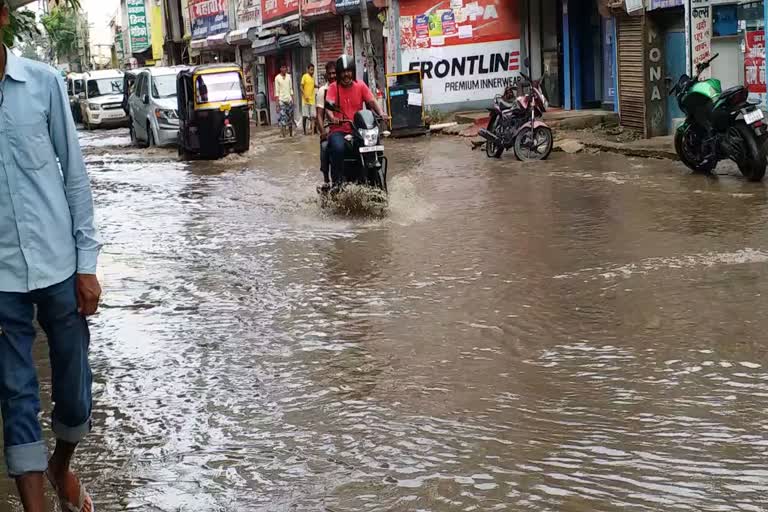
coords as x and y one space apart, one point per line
330 77
284 100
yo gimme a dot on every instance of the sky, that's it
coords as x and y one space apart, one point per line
100 12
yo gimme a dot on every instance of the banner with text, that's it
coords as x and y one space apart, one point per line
754 61
208 17
701 33
467 72
138 28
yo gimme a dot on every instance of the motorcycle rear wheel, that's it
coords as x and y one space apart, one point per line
753 166
533 145
493 150
686 139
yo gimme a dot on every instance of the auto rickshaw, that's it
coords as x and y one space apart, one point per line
213 111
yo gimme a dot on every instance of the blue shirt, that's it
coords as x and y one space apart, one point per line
46 209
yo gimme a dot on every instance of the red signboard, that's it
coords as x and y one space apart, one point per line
754 61
276 9
311 8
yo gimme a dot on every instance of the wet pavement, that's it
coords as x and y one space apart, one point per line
583 334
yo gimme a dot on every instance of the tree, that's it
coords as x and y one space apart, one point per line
35 47
24 25
61 27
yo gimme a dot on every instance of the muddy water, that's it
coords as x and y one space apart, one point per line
585 334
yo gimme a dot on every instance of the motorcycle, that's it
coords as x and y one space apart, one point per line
516 125
364 160
719 125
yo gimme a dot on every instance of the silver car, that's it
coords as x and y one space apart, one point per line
151 106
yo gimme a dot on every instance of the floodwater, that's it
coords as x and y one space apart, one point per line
584 334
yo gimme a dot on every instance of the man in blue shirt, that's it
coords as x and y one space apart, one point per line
48 251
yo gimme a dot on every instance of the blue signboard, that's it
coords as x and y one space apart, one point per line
663 4
348 5
209 17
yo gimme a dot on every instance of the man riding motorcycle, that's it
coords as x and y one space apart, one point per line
348 95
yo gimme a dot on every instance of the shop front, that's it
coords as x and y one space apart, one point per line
467 53
571 44
279 41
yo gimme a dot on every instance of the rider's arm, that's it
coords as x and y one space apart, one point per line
371 103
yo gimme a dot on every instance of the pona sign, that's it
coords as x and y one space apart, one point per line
655 96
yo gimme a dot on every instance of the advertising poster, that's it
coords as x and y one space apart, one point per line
466 51
138 28
208 17
754 62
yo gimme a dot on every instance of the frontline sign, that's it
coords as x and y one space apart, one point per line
468 72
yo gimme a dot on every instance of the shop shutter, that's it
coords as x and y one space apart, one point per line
631 64
328 38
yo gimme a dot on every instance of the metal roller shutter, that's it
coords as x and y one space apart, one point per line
328 37
631 53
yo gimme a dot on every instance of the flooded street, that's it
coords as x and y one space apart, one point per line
584 334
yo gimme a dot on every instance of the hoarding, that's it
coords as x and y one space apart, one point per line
466 51
208 17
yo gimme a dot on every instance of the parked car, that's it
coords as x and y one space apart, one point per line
150 100
101 101
75 86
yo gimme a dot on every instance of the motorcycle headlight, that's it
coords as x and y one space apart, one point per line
94 106
370 137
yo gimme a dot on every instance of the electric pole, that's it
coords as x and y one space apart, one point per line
369 55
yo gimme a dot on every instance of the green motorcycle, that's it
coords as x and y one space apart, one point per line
719 125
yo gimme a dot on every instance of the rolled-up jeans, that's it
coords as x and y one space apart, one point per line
68 342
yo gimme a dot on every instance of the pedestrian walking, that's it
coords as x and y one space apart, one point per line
284 100
308 87
48 252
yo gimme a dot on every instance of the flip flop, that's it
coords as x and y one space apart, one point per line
66 505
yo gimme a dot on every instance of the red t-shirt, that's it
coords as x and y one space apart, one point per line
350 100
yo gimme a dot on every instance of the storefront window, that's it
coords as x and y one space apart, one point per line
752 15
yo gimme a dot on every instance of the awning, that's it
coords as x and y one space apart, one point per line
301 39
264 46
216 41
293 18
197 44
237 37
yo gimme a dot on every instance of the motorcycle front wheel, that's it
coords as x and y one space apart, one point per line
689 146
493 150
532 145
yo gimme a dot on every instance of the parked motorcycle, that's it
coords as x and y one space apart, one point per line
516 124
364 160
719 125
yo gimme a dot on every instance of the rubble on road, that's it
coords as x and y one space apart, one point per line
569 146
